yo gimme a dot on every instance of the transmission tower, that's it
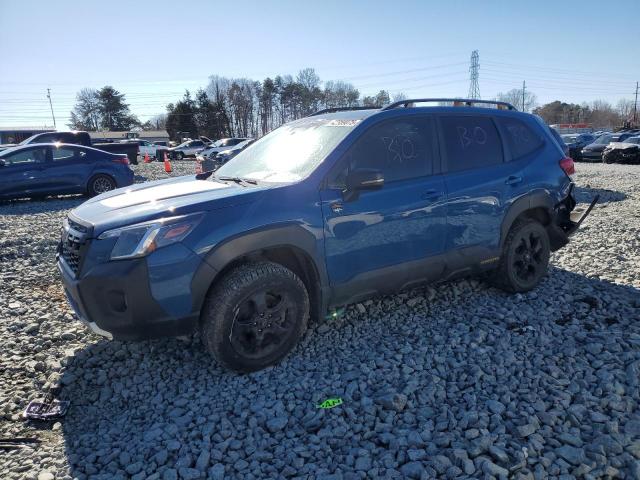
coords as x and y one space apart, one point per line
474 70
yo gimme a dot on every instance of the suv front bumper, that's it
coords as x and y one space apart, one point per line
128 300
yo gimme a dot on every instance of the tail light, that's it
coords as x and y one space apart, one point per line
567 165
123 159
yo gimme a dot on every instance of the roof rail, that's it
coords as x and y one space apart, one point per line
469 102
343 109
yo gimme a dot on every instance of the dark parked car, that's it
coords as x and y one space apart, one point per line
83 138
322 212
623 152
593 151
37 170
576 142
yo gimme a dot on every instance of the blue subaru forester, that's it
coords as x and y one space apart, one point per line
322 212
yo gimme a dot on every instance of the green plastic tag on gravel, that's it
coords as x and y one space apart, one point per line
330 403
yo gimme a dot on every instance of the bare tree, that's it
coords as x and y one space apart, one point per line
514 97
625 107
86 113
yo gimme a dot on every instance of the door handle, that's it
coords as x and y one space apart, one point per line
431 195
513 180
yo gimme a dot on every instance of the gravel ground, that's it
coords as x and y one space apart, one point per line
450 381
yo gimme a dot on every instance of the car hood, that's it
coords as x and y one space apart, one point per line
162 198
621 145
595 147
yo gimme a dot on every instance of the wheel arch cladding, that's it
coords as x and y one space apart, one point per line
537 205
290 246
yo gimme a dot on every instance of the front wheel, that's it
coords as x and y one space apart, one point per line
100 184
254 316
525 257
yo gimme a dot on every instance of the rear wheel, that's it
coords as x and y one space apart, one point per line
100 184
179 155
525 257
254 316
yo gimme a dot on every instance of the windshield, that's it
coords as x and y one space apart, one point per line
223 143
603 139
9 150
289 153
28 140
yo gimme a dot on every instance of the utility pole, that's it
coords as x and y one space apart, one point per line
51 105
635 106
524 87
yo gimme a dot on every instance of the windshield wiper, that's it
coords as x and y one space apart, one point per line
238 180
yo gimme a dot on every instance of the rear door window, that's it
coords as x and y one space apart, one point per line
401 149
63 154
521 139
470 142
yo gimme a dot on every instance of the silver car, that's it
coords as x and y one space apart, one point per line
187 149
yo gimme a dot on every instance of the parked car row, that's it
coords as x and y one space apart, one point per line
593 151
193 148
627 151
214 157
592 148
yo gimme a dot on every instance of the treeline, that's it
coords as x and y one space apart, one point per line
246 108
600 114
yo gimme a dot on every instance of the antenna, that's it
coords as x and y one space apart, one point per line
474 70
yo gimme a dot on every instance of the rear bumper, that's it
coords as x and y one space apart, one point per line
129 300
567 220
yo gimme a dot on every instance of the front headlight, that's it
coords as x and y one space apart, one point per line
143 238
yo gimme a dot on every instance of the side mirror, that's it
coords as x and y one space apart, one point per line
363 179
2 164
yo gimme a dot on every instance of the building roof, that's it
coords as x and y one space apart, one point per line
108 134
27 129
117 135
153 133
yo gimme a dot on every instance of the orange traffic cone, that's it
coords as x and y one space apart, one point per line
167 164
146 158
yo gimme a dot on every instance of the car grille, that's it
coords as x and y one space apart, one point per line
73 244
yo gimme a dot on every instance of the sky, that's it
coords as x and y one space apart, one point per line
152 51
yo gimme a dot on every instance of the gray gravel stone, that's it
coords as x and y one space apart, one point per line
573 455
450 380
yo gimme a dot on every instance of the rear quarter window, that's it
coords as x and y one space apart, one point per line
471 142
521 139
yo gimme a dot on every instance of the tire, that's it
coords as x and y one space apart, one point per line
237 326
100 184
525 257
179 155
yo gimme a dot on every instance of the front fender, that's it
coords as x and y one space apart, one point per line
253 242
